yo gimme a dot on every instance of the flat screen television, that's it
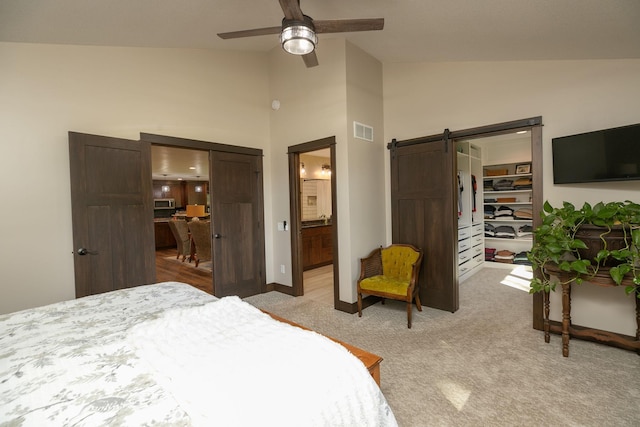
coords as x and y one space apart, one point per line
603 155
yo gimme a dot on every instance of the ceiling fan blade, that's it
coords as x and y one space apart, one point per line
310 59
291 9
348 25
250 33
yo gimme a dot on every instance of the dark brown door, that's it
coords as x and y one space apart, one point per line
112 213
424 214
237 224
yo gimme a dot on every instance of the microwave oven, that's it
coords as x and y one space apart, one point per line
164 203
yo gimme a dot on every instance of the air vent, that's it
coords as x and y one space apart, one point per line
361 131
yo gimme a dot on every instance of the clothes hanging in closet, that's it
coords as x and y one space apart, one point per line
460 190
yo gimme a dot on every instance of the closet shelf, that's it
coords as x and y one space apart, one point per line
520 175
504 239
527 190
507 203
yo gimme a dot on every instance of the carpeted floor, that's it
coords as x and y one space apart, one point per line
483 365
206 265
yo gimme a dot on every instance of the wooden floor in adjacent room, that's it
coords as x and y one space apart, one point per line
318 283
168 270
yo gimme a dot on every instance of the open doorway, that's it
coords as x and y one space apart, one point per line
236 226
313 208
181 193
316 225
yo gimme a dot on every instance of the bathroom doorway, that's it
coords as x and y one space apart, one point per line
313 220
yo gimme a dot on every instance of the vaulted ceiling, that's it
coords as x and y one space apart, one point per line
415 30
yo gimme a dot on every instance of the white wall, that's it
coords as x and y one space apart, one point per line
366 162
312 106
571 96
321 102
225 97
48 90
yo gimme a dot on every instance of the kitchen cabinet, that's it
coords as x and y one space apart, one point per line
317 246
163 235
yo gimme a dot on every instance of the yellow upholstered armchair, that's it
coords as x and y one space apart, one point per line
391 272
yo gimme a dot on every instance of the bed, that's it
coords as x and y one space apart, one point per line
169 354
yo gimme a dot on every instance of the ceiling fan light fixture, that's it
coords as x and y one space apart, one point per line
298 37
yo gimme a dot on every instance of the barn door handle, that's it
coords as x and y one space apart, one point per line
85 251
217 236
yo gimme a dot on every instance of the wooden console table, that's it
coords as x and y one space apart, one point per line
599 335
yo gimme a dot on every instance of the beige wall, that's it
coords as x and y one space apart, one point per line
571 96
225 97
312 106
320 102
48 90
366 201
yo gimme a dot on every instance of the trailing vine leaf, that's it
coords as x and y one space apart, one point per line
555 242
580 266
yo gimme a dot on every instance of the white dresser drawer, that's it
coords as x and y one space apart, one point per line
464 256
477 251
464 244
464 233
477 229
462 269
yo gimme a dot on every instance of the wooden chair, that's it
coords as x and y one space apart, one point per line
201 235
391 273
180 231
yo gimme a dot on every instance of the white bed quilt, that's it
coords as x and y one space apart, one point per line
230 364
69 364
169 355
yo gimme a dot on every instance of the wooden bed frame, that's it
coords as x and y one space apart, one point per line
371 361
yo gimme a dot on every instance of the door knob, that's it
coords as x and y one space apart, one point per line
217 236
85 251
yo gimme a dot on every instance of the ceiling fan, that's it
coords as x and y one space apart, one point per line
298 31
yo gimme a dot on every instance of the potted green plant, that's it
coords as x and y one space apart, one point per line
568 241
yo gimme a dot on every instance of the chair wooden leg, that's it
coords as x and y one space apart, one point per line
418 303
359 304
409 310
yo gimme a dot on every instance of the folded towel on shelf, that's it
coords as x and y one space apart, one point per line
505 256
503 184
522 183
489 253
505 232
489 212
503 211
489 230
523 213
525 232
521 258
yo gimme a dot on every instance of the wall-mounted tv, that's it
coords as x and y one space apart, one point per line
603 155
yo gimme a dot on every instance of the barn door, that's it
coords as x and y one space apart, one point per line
237 224
423 209
112 213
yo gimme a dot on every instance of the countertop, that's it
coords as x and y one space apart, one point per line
315 223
